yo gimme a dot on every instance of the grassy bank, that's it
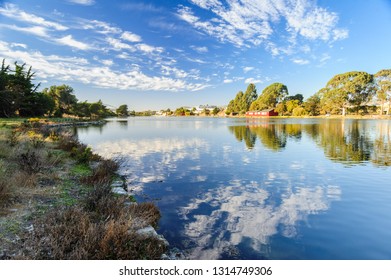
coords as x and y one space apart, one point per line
56 201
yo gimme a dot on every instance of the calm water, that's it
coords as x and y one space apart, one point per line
260 189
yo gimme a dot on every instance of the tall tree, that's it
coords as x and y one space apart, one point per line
242 101
383 86
270 97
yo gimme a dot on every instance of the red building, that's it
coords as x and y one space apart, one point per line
263 113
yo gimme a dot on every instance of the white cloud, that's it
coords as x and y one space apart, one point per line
251 23
35 30
300 61
149 49
24 46
247 69
252 81
119 45
69 41
80 70
131 37
12 11
228 81
83 2
200 49
98 26
107 62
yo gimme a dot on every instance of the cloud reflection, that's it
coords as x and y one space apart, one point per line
152 160
245 211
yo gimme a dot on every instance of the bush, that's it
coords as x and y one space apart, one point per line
82 153
103 173
13 138
36 139
5 192
30 162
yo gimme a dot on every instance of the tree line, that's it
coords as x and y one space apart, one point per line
351 92
19 96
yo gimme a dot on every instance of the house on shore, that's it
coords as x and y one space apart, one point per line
263 113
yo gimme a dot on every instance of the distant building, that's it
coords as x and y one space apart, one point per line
263 113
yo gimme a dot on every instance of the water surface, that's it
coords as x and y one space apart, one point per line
259 188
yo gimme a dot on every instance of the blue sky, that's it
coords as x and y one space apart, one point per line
154 54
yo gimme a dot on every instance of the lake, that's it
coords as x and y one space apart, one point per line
232 188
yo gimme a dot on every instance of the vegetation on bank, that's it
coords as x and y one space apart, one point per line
348 93
56 201
20 97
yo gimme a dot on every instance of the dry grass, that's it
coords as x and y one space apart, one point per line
74 233
96 225
102 174
5 193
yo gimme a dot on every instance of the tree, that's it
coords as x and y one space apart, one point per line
122 110
20 89
64 99
350 88
270 97
383 86
242 101
215 111
312 105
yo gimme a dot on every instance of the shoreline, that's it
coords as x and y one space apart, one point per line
57 177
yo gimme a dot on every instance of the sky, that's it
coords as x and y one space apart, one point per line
153 54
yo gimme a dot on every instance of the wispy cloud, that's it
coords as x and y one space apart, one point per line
77 69
12 11
69 41
83 2
131 37
98 26
34 30
253 81
247 69
251 23
203 49
141 7
300 61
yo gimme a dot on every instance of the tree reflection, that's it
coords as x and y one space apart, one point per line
272 136
345 141
243 133
382 147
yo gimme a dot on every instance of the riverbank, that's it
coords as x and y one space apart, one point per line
59 200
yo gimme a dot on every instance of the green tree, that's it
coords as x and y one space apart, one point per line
270 97
122 110
82 109
350 88
312 105
383 86
64 99
215 111
242 101
21 89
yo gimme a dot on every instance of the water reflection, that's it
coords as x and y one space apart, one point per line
345 141
152 160
261 189
225 218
